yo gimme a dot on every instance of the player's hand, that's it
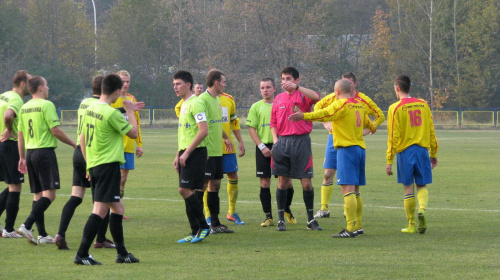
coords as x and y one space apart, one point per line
229 146
241 147
434 162
366 131
183 159
138 106
388 169
87 176
6 134
297 116
22 167
289 86
128 105
266 152
328 126
138 152
176 164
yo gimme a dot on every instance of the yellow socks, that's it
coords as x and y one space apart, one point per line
205 204
232 195
423 198
359 211
326 194
350 205
409 203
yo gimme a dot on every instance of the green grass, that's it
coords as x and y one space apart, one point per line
462 239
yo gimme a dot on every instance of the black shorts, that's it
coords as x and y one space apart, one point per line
292 157
80 169
214 170
9 161
105 182
262 163
193 175
43 171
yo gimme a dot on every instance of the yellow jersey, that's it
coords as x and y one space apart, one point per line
128 143
230 120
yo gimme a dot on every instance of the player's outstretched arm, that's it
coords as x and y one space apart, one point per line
22 167
59 134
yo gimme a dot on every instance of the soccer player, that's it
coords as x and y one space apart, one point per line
38 132
101 141
127 141
191 158
411 138
80 181
258 119
330 163
288 160
216 82
10 104
349 119
231 122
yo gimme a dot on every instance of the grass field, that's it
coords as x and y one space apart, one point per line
462 240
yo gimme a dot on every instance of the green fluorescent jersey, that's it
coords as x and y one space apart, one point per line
191 113
104 127
259 117
214 117
38 116
10 100
81 111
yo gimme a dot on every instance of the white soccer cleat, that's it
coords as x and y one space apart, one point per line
13 234
46 240
27 233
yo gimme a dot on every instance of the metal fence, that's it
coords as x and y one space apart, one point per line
449 118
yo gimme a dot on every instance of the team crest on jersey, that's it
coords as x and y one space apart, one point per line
404 108
350 106
185 111
296 108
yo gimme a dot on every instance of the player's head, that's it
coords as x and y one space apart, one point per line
198 88
267 88
111 83
20 81
290 71
185 76
97 85
343 88
38 85
216 80
402 83
125 76
350 77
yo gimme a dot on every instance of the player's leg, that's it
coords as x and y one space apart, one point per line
263 172
10 174
330 166
405 173
423 176
91 227
232 195
350 206
284 183
409 205
359 212
69 208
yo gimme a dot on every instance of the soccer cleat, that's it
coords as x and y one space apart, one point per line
359 231
322 214
86 261
235 219
267 223
209 221
45 239
313 225
345 234
27 233
106 244
281 226
220 229
422 223
290 218
129 258
202 234
12 234
409 229
61 243
186 239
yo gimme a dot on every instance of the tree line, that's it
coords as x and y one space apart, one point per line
448 47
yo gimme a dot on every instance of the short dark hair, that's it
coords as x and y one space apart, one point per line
291 71
269 80
185 76
34 83
349 75
213 76
20 76
403 82
97 84
111 83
